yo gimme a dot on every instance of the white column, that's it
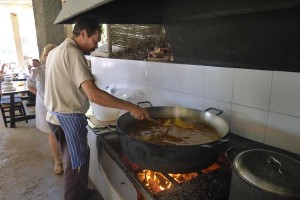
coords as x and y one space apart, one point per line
18 43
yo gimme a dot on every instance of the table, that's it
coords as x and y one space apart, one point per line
20 79
20 87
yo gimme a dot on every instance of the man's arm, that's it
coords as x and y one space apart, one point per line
32 89
103 98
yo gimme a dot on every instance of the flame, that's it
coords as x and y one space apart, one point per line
183 177
157 182
214 167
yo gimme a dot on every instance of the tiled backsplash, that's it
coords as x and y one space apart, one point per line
260 105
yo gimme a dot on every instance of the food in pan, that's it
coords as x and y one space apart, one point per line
174 132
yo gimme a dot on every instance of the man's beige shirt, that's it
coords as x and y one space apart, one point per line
66 69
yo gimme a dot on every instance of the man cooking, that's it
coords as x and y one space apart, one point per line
69 86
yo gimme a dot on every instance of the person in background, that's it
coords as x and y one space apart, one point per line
36 84
35 63
2 72
68 88
2 68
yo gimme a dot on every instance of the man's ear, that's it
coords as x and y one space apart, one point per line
83 34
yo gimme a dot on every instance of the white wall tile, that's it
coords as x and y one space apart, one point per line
112 66
102 69
192 79
109 72
100 65
103 81
252 88
119 80
140 73
191 101
129 74
248 122
170 98
119 67
224 106
283 131
251 94
218 83
153 73
154 95
171 76
138 95
129 69
285 95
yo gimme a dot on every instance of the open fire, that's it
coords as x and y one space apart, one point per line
156 181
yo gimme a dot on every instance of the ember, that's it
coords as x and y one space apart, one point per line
183 177
214 167
157 182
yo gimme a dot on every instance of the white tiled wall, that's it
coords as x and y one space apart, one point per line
218 83
260 105
171 77
283 131
248 122
285 95
192 79
252 88
224 106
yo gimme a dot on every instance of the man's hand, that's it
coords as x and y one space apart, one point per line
139 113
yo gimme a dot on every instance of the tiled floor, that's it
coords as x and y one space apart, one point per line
26 166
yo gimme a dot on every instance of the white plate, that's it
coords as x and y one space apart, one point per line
7 87
8 90
6 83
8 79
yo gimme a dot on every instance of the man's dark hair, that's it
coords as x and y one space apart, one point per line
89 24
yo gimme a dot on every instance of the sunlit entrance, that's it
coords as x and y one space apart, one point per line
18 43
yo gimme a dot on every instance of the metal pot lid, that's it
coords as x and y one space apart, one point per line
269 171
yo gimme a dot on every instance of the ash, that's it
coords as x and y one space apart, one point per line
210 186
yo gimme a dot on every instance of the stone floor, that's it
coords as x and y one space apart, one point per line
26 165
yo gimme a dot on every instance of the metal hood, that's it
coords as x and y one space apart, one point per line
259 34
73 8
112 11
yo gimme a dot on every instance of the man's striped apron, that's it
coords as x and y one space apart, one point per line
74 127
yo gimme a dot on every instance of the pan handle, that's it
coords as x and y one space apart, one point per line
144 102
113 128
220 111
232 152
221 141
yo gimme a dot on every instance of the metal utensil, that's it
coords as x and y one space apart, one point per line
166 129
155 121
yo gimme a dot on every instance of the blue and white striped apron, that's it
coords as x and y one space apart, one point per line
74 127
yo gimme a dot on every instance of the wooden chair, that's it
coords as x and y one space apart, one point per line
28 98
5 110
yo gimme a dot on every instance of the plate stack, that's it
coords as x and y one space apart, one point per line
7 86
8 77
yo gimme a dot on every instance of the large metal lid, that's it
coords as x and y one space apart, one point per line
269 171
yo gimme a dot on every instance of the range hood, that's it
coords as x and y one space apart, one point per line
256 34
73 8
112 11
